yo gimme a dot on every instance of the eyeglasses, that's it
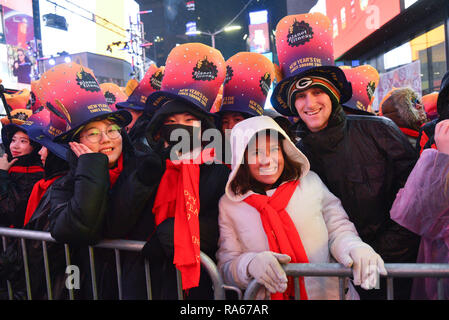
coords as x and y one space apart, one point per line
94 135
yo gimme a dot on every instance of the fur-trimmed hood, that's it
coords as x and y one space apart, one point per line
403 106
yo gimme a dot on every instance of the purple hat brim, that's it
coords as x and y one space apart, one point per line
158 98
38 135
129 105
235 108
122 117
281 89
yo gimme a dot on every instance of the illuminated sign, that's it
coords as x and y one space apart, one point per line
258 17
191 28
259 40
354 20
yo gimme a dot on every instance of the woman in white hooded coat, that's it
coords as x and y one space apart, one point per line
304 220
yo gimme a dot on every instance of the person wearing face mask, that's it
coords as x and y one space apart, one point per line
20 166
275 211
248 79
178 186
135 104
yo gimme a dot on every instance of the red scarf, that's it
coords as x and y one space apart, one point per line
281 231
26 169
115 172
36 195
178 197
410 132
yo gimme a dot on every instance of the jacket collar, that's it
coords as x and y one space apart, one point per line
327 139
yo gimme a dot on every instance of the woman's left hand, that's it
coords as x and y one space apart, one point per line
79 148
366 265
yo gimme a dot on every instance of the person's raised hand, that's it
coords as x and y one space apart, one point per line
79 148
442 136
5 164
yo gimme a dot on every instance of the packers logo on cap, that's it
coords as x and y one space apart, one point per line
303 83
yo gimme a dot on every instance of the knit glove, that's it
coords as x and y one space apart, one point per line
366 265
266 269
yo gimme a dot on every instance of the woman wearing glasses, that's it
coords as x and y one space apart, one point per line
100 152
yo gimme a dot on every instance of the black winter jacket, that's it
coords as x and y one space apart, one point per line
79 203
133 218
137 133
15 189
364 161
11 261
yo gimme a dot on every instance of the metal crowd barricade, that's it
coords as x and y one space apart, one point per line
404 270
117 246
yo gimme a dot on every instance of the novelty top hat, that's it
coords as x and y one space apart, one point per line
34 99
364 80
150 83
305 51
18 107
194 73
113 94
248 79
72 93
42 127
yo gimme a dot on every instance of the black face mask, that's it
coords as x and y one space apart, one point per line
188 137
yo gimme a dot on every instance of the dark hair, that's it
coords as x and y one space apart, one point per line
244 182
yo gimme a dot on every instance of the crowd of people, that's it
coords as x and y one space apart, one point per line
189 161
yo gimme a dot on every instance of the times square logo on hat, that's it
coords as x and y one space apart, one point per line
299 33
205 70
86 81
156 79
265 83
110 98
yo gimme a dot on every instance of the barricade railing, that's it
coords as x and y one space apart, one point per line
394 270
116 245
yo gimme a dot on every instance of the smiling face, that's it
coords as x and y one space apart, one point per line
314 107
20 144
265 159
109 142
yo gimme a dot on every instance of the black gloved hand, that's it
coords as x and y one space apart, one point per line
152 166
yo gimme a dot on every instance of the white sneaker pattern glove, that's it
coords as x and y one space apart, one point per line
266 269
366 265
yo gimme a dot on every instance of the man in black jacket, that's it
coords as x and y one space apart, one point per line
363 160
